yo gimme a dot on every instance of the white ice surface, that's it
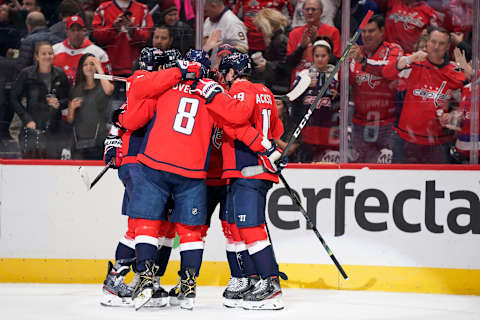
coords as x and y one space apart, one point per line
80 301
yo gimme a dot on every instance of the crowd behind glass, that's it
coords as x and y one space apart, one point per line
409 73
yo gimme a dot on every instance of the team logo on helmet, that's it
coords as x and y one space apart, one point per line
239 62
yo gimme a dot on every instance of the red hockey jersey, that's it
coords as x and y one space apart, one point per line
404 24
464 143
122 47
429 88
373 88
262 115
67 57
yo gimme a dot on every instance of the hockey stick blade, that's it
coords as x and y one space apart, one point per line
101 173
108 77
301 86
253 171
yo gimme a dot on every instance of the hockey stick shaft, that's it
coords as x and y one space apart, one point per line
101 173
324 88
312 226
109 77
281 274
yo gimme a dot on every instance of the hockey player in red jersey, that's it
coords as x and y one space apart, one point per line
175 159
122 146
248 196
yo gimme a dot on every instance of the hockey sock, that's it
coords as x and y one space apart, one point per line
265 262
124 253
144 252
247 264
161 260
191 259
234 264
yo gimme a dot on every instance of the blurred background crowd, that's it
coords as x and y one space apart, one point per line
409 74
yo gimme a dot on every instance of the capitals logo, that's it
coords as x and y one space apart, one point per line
370 79
217 138
435 94
409 20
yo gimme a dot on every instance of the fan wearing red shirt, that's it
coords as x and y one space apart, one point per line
373 94
301 39
433 88
405 21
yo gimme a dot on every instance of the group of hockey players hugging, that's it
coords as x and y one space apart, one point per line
180 143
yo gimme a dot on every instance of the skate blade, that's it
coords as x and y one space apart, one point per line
174 301
110 300
143 298
157 303
187 303
269 304
232 303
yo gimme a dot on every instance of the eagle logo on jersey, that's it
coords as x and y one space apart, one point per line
437 96
370 79
409 20
217 138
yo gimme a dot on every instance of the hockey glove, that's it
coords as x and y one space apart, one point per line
272 158
206 88
113 150
116 117
190 70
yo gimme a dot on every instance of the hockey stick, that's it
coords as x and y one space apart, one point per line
109 77
101 173
312 226
300 88
254 170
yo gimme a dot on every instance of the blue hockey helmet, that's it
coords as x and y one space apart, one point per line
201 57
168 58
147 59
239 62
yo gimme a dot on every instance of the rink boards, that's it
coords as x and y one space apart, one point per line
393 228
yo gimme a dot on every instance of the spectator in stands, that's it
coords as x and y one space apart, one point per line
123 27
162 38
330 10
405 20
9 35
183 33
249 10
68 52
373 94
46 90
273 69
7 77
67 9
38 32
320 136
221 23
283 107
87 110
300 40
432 88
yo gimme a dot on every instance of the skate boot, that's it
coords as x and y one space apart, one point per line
265 295
115 292
174 293
188 289
143 291
236 288
159 297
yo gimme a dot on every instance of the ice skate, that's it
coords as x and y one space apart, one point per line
173 295
236 288
143 291
265 295
188 289
159 297
115 292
